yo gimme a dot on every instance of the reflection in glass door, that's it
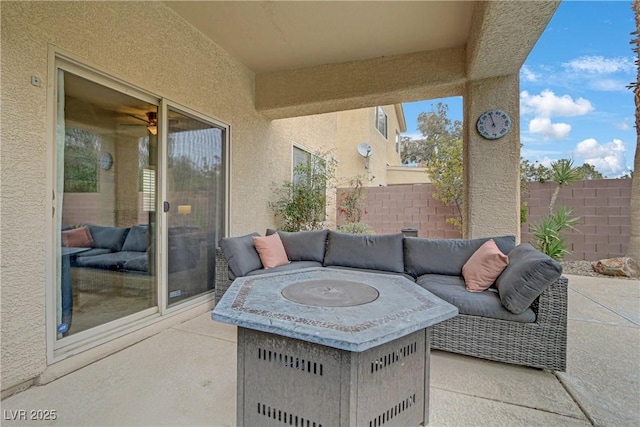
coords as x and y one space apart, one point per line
195 177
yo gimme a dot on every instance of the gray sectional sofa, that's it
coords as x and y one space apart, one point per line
520 319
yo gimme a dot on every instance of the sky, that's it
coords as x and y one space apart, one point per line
574 103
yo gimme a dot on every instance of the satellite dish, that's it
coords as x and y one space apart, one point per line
365 150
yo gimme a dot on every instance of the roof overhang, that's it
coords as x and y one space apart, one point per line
313 57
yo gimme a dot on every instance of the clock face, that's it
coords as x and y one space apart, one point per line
106 161
494 124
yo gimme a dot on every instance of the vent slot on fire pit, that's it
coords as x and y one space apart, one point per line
287 361
285 417
393 412
393 357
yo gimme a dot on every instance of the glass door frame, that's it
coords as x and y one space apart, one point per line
59 349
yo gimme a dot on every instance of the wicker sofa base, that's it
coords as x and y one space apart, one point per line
541 344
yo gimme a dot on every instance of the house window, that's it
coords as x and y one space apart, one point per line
381 121
397 142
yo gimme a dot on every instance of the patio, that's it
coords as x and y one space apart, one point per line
186 375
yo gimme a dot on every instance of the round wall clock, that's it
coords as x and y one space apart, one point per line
106 161
493 124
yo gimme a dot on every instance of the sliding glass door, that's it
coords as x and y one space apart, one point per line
139 200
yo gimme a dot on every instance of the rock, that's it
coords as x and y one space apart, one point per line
624 266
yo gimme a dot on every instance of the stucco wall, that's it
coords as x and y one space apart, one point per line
357 126
143 44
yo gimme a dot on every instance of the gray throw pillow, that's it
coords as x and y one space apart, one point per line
111 238
377 252
528 274
303 245
137 239
241 254
446 256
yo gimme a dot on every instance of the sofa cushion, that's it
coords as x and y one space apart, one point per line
137 239
241 254
303 245
270 250
445 256
377 252
108 237
139 263
294 265
76 238
110 261
528 274
453 290
484 267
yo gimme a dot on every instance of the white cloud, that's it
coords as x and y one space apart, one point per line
547 104
544 127
608 85
608 159
600 64
526 74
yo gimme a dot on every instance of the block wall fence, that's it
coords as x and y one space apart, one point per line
602 205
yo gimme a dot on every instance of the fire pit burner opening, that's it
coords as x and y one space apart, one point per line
330 293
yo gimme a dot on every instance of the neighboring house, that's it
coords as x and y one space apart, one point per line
165 124
379 128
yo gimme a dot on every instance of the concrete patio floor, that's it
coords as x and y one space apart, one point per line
186 376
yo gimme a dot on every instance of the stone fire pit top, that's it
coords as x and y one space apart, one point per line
344 309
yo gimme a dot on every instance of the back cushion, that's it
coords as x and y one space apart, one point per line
303 245
377 252
111 238
77 238
137 239
445 256
241 254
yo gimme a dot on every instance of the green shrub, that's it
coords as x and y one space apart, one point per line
356 228
548 234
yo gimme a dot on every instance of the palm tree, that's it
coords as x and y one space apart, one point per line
562 173
633 250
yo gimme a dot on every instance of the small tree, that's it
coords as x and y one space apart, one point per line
352 208
301 204
445 169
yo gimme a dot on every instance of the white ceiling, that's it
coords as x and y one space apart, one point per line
284 35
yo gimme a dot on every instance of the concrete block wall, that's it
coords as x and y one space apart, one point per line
603 208
602 205
392 208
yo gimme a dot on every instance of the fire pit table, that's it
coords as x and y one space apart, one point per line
329 347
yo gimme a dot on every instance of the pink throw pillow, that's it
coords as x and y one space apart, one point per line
77 238
271 250
484 267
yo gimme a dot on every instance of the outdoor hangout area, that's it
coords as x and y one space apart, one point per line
191 378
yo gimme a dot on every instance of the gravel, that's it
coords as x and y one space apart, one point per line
584 268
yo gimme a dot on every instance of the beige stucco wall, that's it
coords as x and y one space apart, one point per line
143 44
406 175
357 126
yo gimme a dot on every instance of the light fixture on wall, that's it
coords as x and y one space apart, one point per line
365 150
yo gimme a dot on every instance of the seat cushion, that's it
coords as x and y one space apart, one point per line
139 263
241 254
377 252
294 265
110 261
528 274
445 256
453 290
303 245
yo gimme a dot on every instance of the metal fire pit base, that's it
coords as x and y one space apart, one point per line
288 382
